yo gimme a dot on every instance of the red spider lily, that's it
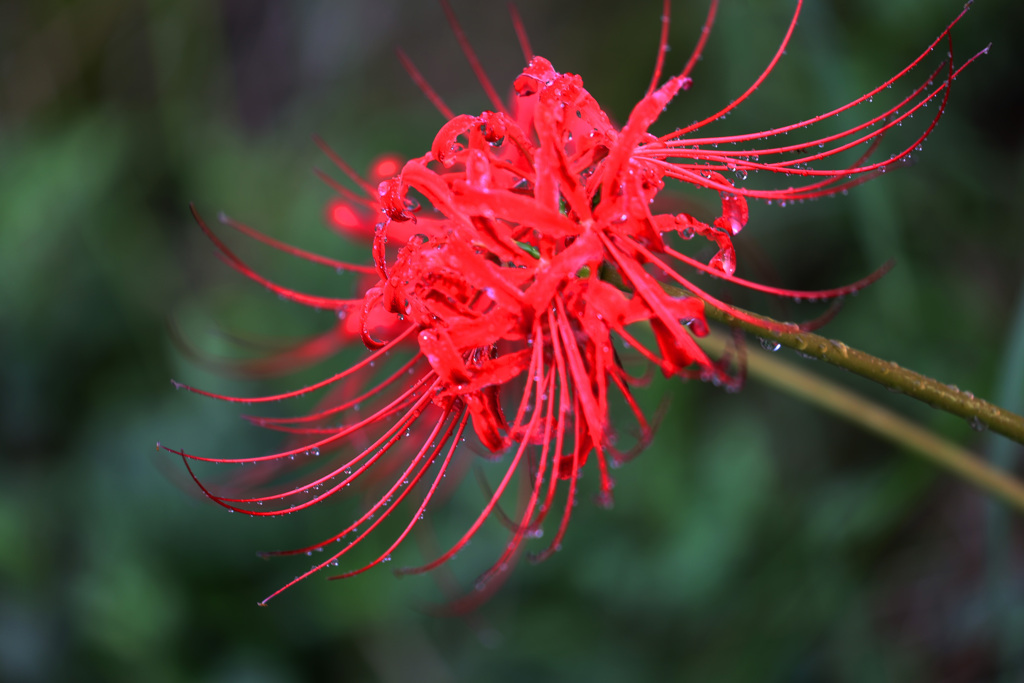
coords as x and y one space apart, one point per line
488 302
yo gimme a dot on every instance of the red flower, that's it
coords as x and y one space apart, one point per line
488 307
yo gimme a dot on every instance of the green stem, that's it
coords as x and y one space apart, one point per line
873 417
882 421
979 413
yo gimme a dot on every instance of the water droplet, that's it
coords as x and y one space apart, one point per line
770 345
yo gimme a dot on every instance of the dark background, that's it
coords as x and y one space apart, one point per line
759 539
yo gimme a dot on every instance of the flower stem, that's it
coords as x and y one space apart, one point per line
979 413
882 421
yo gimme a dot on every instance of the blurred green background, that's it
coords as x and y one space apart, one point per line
757 540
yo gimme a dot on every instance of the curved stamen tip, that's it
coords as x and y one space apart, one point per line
604 499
